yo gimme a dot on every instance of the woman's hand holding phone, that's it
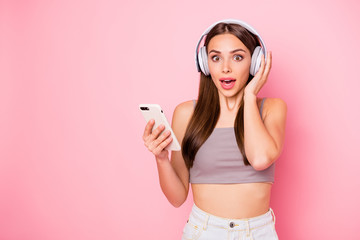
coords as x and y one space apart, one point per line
155 141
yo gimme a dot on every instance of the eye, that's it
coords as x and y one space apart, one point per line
238 57
215 58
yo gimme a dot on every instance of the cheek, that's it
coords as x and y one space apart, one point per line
213 68
213 78
244 69
245 72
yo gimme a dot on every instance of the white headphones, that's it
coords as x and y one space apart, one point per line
201 54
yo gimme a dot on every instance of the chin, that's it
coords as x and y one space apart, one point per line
229 94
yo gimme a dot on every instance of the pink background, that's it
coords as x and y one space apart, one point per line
72 73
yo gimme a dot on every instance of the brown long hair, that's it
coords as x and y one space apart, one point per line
207 110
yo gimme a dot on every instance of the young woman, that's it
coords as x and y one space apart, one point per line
230 140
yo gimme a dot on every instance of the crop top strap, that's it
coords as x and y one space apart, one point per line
261 107
194 102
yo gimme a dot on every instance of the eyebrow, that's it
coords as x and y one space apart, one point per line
233 51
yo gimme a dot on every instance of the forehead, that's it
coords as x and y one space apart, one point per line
225 42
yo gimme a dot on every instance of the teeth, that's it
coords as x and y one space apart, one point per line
227 81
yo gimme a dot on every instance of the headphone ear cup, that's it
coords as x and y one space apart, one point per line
203 63
200 62
256 60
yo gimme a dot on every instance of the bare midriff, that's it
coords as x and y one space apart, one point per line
235 201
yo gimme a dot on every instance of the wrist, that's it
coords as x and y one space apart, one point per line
161 160
249 96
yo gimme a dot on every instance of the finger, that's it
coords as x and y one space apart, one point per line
149 142
260 72
154 144
262 65
268 65
155 134
148 128
162 146
269 60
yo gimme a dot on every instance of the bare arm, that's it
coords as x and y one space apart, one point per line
173 175
263 139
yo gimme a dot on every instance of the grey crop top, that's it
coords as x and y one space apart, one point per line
219 160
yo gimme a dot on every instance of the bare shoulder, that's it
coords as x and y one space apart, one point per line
275 102
274 106
184 111
182 115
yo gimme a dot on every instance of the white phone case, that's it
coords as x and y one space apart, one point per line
154 111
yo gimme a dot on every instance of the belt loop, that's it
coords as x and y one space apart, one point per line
273 214
206 222
247 228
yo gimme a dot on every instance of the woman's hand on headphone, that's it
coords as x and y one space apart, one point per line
260 77
156 141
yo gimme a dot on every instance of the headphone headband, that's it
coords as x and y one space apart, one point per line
230 21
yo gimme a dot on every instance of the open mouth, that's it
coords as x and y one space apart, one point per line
227 81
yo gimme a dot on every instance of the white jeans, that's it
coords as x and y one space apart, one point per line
204 226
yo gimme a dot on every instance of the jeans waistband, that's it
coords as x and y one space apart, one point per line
206 219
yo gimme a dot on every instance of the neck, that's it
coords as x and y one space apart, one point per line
231 104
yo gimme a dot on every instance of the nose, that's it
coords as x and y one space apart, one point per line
226 66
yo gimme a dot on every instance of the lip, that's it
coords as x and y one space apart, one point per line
227 86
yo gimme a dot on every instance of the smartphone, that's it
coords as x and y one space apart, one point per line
154 111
